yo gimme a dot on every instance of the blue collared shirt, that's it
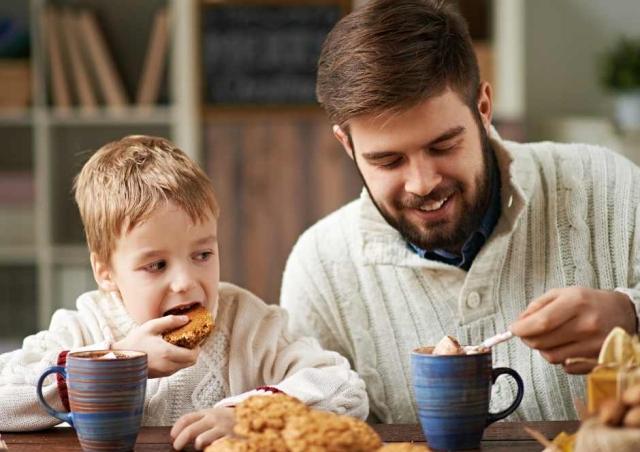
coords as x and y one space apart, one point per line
477 239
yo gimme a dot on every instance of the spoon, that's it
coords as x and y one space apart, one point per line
495 340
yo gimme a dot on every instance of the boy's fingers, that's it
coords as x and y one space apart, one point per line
181 423
207 437
181 355
166 323
189 433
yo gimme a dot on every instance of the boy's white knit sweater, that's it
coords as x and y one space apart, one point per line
250 347
569 218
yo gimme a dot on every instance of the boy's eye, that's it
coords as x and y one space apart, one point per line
203 256
156 266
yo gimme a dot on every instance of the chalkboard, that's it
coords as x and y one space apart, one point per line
263 54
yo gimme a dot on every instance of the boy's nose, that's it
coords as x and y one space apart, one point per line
421 177
182 282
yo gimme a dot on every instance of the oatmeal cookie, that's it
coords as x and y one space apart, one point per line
199 327
269 441
404 447
319 431
268 412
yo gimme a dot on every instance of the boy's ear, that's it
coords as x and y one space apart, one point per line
343 139
102 274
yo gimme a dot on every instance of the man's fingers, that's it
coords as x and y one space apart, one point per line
582 349
539 303
185 420
564 334
546 319
166 323
579 366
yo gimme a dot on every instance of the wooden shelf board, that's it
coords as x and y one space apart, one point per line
256 111
112 116
15 117
70 254
10 254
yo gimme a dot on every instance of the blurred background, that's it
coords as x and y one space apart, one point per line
232 83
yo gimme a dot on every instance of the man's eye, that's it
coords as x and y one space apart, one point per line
156 266
443 149
390 164
204 256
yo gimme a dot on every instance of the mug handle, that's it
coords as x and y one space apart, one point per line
495 373
65 417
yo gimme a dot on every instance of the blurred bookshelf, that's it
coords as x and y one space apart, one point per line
44 262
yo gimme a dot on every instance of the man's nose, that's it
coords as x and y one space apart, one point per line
182 280
422 176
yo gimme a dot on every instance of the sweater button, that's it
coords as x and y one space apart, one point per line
473 300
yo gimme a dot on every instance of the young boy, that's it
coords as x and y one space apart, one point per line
150 218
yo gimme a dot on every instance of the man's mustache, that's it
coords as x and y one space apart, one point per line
411 201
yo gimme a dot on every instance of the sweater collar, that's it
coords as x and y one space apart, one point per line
383 244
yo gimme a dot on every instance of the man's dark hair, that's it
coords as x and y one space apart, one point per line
390 55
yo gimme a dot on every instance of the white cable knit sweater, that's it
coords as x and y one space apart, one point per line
250 347
569 217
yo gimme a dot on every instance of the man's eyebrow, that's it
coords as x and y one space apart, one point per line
447 135
376 155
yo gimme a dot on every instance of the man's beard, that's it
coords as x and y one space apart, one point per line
442 235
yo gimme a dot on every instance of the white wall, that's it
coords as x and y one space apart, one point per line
563 41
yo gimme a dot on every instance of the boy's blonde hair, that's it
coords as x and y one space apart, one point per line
124 181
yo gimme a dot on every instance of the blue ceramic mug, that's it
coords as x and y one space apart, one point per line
452 394
106 396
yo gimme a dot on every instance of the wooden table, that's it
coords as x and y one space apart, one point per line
499 437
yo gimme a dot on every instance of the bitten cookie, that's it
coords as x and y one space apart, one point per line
199 327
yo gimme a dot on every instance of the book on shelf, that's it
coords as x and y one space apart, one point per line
97 51
16 188
154 62
51 36
79 71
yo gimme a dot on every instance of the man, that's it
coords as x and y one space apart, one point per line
457 232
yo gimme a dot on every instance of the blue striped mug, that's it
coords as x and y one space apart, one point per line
106 395
452 395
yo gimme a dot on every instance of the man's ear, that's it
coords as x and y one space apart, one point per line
102 274
485 104
343 138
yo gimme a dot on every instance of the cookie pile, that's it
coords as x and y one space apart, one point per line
280 423
624 411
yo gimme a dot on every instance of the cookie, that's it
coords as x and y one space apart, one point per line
266 412
320 430
199 327
269 441
404 447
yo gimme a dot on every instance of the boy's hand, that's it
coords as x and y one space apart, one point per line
203 427
573 322
163 358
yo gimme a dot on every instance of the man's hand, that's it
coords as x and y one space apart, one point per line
163 358
573 322
203 427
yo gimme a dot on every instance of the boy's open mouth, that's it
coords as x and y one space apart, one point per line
182 308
